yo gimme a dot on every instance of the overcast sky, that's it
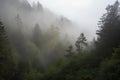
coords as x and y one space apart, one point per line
85 13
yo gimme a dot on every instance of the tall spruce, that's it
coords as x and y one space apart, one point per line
6 57
37 36
109 31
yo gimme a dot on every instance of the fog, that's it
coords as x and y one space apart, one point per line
31 15
59 39
34 29
80 12
74 13
45 29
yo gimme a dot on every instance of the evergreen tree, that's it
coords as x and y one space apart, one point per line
81 42
18 39
6 57
37 36
39 6
109 31
110 68
69 50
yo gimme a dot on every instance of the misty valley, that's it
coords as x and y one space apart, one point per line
37 44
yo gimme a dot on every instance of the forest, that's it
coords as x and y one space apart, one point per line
35 45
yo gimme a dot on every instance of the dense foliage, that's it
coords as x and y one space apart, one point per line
42 55
6 56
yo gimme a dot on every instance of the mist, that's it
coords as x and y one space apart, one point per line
80 12
41 28
59 40
37 13
38 27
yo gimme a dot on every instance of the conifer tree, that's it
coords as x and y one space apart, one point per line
37 36
109 31
6 57
81 42
70 51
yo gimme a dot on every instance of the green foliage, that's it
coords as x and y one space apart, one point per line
110 68
54 70
39 56
6 57
80 67
37 36
35 56
87 66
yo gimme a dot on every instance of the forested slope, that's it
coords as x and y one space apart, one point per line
41 54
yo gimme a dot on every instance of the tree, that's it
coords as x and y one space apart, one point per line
109 32
19 23
39 6
110 68
81 42
18 38
69 50
37 36
6 57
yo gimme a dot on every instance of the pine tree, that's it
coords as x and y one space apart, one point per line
109 31
110 68
6 57
81 42
37 36
39 6
19 40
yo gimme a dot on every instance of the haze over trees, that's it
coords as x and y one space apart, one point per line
35 45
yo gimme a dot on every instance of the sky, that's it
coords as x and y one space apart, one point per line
85 13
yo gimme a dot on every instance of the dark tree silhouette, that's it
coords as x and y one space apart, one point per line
6 56
37 36
109 31
81 42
